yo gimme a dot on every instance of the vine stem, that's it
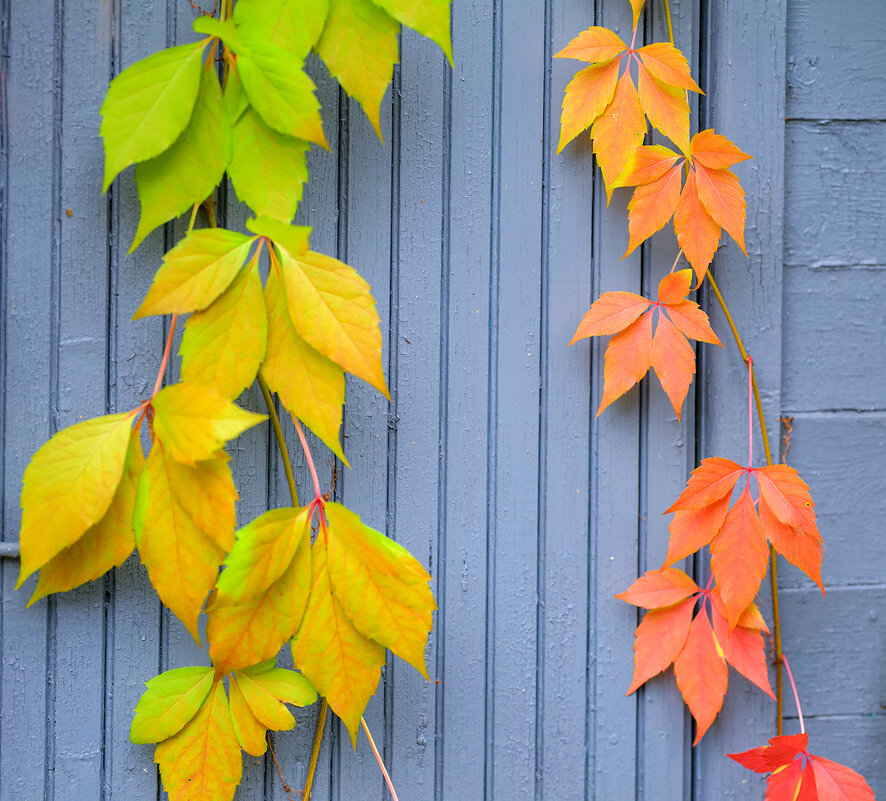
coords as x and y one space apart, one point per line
315 750
378 759
278 433
787 667
773 556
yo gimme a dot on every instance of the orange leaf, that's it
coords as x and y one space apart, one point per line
610 313
651 206
788 497
702 675
636 8
800 549
673 359
721 194
695 528
660 638
594 44
628 356
739 557
713 479
674 287
618 131
697 233
668 65
657 588
749 619
835 782
692 321
666 107
587 94
714 151
646 164
743 649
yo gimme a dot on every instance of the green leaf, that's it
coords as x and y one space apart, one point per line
234 100
332 308
294 25
337 659
186 529
380 585
295 238
195 272
310 386
429 17
105 545
360 47
148 105
284 685
261 594
170 702
203 761
69 485
171 183
224 344
268 169
281 92
223 29
193 422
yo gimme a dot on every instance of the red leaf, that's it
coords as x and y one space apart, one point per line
702 675
660 638
835 782
744 650
659 588
784 784
778 753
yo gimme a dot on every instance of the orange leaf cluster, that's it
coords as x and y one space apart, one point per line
634 348
699 646
738 533
790 780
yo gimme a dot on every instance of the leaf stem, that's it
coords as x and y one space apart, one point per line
318 496
315 750
773 556
278 433
750 413
787 667
378 759
165 360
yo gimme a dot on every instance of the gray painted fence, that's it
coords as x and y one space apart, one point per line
483 248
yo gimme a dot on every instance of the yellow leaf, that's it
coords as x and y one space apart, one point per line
105 545
586 96
284 685
202 762
332 308
380 585
293 238
170 701
267 709
311 387
429 17
193 422
224 344
249 731
636 8
185 529
195 272
335 657
360 47
69 485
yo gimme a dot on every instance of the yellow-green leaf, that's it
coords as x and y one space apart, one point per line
310 386
360 47
335 657
268 169
429 17
268 710
185 529
294 238
69 485
332 308
170 701
284 685
224 344
186 173
203 762
281 92
249 731
294 25
195 272
234 100
382 588
105 545
148 105
261 594
193 421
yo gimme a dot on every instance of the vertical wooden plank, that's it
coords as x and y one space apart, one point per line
31 267
414 501
614 508
516 372
79 628
746 105
566 437
461 621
